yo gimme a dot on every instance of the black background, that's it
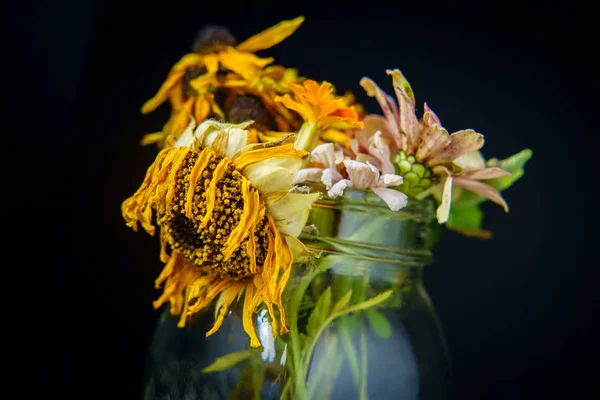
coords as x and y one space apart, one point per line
516 309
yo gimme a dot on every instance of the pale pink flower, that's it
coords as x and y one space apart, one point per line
327 155
365 176
453 159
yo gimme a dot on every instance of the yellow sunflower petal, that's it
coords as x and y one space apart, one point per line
254 156
189 60
271 36
231 293
273 174
151 138
211 191
253 212
291 204
163 93
244 64
250 303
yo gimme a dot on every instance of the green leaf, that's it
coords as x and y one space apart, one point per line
341 303
319 313
229 360
467 217
365 304
379 323
381 297
514 164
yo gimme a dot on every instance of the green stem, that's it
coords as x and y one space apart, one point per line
363 364
308 136
357 307
295 300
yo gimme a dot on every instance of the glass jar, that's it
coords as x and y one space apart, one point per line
361 324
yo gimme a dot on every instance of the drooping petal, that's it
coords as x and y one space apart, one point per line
362 175
244 64
270 36
433 140
163 93
224 138
482 189
188 60
273 174
470 161
484 173
330 177
298 248
308 175
429 117
293 224
229 296
461 142
338 188
443 211
291 204
187 138
389 108
389 180
251 157
374 123
364 158
327 155
408 122
393 198
381 150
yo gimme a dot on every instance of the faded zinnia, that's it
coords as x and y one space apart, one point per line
429 158
229 214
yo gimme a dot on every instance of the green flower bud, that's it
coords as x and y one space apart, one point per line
417 176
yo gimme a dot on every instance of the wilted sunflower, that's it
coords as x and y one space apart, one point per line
230 214
208 81
325 115
429 158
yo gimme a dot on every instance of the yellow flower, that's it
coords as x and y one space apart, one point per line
230 215
193 81
321 110
266 84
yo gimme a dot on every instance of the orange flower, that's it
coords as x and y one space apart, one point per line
316 103
321 110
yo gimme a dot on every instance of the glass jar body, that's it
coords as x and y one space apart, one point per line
361 324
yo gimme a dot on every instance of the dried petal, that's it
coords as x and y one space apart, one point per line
483 190
461 142
393 198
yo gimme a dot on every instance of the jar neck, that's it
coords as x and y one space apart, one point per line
360 226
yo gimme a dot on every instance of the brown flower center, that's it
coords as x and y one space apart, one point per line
247 107
213 38
204 243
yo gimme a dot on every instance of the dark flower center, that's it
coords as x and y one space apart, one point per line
204 245
247 107
213 38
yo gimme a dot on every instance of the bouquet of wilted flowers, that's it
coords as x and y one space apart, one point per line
249 163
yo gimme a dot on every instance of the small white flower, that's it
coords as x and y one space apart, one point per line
366 176
327 155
